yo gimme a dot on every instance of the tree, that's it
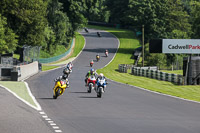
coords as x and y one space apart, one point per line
59 22
177 20
8 41
195 17
74 10
95 10
117 9
27 18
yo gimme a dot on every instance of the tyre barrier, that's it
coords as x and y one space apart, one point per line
124 67
152 72
156 74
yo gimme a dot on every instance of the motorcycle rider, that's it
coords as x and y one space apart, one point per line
63 77
91 63
106 52
98 33
101 76
97 57
89 73
69 66
86 29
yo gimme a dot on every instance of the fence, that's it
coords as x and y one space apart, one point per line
152 72
56 58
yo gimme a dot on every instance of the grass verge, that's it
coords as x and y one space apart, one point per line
45 68
20 89
79 44
127 44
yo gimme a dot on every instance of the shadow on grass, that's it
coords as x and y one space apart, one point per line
94 34
110 50
117 70
101 50
122 33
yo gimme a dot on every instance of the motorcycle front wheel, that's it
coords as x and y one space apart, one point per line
57 91
99 92
89 88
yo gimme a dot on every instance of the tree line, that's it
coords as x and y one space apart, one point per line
45 23
49 23
172 19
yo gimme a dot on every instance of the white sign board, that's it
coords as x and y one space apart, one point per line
185 46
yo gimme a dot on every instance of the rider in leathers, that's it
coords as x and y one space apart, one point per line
89 73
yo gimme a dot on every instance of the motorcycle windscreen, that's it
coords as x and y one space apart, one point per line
63 83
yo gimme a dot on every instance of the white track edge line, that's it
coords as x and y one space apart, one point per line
158 93
35 101
19 97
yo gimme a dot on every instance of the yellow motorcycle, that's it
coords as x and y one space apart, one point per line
97 57
60 87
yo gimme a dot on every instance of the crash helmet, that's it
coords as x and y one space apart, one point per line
101 75
92 71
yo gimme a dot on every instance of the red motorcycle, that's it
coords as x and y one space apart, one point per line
91 82
91 63
106 53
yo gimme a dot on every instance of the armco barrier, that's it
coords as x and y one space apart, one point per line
56 58
155 74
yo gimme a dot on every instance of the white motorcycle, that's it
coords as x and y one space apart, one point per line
101 85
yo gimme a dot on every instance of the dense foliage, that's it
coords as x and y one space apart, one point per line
49 23
46 23
174 19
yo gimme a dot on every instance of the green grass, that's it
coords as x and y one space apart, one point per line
79 43
20 89
127 44
45 68
16 56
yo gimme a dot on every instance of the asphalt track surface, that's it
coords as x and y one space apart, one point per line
17 117
122 108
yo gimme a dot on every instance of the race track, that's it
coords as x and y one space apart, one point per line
122 108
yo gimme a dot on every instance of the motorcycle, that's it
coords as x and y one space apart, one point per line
91 82
106 53
91 63
66 71
60 87
101 85
98 34
98 57
86 30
